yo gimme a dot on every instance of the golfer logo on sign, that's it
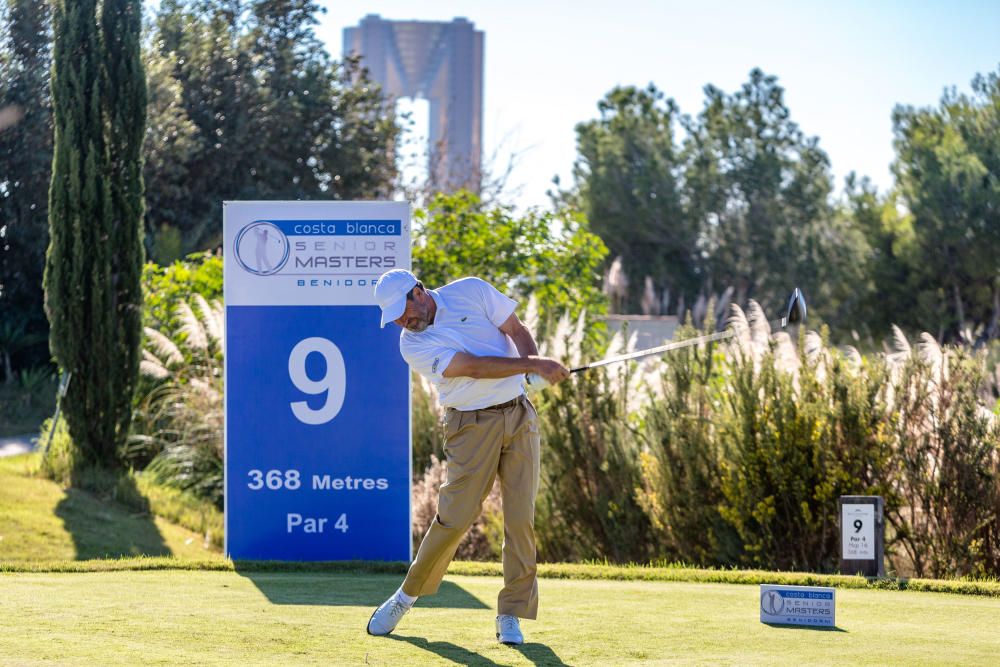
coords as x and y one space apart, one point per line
261 248
772 603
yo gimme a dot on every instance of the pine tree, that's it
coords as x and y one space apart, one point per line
95 204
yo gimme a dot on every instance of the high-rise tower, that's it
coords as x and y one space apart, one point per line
442 63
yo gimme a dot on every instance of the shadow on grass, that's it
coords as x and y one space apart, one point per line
446 650
813 628
538 654
102 528
351 590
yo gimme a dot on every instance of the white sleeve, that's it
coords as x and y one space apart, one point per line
427 358
498 306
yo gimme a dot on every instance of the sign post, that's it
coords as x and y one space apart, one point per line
862 535
317 460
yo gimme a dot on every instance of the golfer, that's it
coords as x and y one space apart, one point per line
467 340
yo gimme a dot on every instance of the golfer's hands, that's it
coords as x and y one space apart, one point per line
550 369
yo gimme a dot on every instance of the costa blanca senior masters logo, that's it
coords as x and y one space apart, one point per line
261 248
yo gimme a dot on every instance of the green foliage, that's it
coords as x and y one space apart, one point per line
166 287
550 256
588 506
80 297
759 189
177 436
61 457
947 465
796 444
25 169
245 103
627 177
24 404
124 108
14 337
768 438
736 454
948 173
891 291
741 202
682 466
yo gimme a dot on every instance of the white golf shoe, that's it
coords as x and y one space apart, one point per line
509 630
387 616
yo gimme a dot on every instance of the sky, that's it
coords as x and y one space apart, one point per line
844 65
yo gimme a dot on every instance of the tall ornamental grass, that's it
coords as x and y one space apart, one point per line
735 453
177 434
723 454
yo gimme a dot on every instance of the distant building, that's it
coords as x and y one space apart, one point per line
442 63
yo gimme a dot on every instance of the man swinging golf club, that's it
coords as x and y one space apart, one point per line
466 339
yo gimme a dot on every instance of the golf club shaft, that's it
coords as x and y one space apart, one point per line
688 342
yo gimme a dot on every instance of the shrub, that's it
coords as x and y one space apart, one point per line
750 446
590 473
947 470
177 435
800 432
682 465
61 456
166 287
549 256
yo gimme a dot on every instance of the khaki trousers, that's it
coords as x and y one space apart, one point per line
479 446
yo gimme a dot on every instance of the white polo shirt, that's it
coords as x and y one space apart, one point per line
469 312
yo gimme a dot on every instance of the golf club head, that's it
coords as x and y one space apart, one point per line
796 308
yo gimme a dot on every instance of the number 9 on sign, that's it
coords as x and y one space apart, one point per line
333 383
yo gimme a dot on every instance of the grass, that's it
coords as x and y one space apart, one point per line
577 571
41 521
184 617
72 590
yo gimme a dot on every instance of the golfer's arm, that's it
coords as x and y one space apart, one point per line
519 333
468 365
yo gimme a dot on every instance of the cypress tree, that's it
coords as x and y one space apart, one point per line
125 116
92 294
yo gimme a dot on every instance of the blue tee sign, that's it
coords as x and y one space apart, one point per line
317 395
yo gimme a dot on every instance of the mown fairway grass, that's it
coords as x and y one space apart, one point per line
198 617
188 605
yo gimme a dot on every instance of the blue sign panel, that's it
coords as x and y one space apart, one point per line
323 471
317 395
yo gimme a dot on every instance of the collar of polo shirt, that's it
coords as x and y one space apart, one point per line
442 307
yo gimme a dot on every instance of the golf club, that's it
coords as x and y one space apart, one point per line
794 314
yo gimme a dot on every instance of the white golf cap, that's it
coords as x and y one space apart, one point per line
391 291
